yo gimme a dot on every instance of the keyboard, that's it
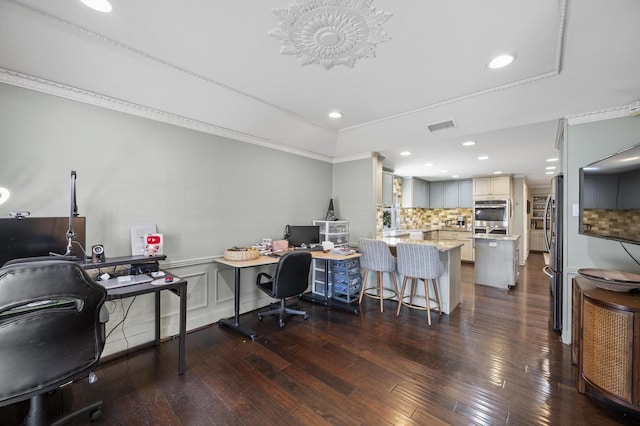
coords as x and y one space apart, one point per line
125 280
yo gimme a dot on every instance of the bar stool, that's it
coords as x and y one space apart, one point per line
377 257
419 262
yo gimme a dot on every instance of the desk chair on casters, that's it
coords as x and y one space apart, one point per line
51 332
419 262
377 257
291 279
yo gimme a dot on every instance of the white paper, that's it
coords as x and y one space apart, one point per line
137 238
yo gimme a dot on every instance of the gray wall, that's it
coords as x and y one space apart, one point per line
205 193
584 144
354 197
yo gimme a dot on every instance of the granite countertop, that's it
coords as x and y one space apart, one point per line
443 245
405 232
497 237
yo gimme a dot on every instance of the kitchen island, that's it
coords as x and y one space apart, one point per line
449 281
497 258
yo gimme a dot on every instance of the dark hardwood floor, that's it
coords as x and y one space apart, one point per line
493 361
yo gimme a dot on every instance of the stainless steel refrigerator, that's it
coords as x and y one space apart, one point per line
553 240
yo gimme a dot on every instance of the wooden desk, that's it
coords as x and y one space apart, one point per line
238 265
177 287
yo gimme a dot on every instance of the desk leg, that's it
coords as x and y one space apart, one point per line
183 329
157 318
234 323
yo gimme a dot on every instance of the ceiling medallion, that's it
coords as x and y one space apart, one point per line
330 32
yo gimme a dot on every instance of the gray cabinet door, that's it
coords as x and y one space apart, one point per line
436 195
629 191
465 189
450 193
387 188
607 194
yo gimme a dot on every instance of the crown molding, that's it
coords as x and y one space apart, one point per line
604 114
41 85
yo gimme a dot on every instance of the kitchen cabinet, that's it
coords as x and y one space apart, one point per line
492 188
387 188
457 194
462 237
415 193
536 240
436 195
628 194
465 188
497 261
600 191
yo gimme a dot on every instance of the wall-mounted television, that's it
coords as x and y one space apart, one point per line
39 236
610 197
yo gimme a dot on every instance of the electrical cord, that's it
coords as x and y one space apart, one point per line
121 322
630 255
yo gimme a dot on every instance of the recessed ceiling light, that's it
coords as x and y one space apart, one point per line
444 171
550 168
551 160
335 114
99 5
548 173
483 157
429 164
468 143
501 61
455 176
405 153
499 172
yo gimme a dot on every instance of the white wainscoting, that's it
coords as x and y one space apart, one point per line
210 297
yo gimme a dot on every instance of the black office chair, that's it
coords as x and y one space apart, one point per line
51 332
291 279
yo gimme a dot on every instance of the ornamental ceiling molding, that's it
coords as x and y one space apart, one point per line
48 87
330 32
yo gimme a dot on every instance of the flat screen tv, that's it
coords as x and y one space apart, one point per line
610 197
39 236
299 236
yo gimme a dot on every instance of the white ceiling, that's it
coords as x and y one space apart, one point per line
212 65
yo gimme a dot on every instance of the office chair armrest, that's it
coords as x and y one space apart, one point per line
104 314
263 274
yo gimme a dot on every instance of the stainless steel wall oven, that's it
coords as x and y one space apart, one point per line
491 215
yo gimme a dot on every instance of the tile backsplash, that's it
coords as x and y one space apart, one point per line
417 218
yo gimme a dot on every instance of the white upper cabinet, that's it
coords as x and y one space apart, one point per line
490 188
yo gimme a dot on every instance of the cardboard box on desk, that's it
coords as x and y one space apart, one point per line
153 244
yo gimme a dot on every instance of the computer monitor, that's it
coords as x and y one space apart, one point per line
39 236
307 235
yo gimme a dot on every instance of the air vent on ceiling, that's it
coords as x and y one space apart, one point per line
441 126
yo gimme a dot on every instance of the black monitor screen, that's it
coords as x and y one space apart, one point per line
307 235
39 236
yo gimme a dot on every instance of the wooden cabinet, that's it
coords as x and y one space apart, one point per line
465 196
536 240
436 195
415 193
600 191
387 188
488 188
463 237
457 194
606 339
